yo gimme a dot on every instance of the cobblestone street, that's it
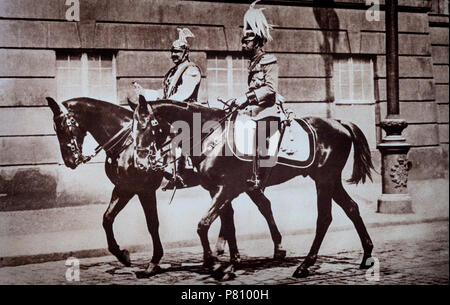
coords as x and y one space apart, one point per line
409 254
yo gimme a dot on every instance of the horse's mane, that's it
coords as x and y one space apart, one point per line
103 105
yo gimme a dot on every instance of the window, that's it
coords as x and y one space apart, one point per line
226 77
353 80
86 74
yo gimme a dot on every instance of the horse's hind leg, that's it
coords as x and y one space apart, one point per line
351 209
323 222
119 200
264 207
148 202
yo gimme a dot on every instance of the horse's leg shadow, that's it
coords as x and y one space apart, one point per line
119 200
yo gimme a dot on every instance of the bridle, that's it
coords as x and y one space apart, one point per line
76 149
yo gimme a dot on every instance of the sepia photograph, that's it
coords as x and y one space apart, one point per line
230 145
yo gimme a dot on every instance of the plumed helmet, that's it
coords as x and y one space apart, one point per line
181 43
255 24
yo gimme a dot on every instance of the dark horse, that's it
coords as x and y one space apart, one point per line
111 126
225 177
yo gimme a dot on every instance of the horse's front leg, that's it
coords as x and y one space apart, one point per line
119 200
148 202
218 201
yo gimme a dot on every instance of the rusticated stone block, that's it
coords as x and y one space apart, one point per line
26 121
443 113
442 93
304 89
310 41
422 134
427 162
63 35
29 150
443 133
439 35
410 89
440 73
409 44
27 62
409 66
26 92
413 112
305 65
32 9
440 54
23 34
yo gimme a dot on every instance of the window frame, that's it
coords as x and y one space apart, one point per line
350 61
231 66
84 68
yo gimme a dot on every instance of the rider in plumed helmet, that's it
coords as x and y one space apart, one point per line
259 101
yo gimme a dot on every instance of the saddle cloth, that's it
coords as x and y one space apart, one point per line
297 147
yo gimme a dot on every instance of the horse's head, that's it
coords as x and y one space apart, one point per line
69 132
148 135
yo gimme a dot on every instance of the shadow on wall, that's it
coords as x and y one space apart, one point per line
328 21
28 189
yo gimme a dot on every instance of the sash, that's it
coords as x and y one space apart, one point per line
176 77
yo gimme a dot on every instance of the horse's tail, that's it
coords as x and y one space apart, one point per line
362 157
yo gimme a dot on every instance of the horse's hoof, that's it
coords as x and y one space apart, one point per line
124 257
301 273
366 263
209 261
229 273
218 272
152 270
235 259
279 254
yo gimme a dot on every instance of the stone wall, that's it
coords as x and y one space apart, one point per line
307 36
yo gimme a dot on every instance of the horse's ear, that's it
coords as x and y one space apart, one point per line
142 100
131 104
54 106
143 108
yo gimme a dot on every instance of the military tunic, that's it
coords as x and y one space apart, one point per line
263 86
182 82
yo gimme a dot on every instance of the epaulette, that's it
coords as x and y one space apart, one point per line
268 59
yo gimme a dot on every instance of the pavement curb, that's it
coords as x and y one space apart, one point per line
11 261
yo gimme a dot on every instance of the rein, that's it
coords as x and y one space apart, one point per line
111 143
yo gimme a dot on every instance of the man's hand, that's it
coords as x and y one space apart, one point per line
241 102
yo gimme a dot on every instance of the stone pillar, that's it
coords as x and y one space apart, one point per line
393 148
394 169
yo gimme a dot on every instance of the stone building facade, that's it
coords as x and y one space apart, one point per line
331 55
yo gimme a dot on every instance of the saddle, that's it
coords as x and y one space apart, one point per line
291 144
